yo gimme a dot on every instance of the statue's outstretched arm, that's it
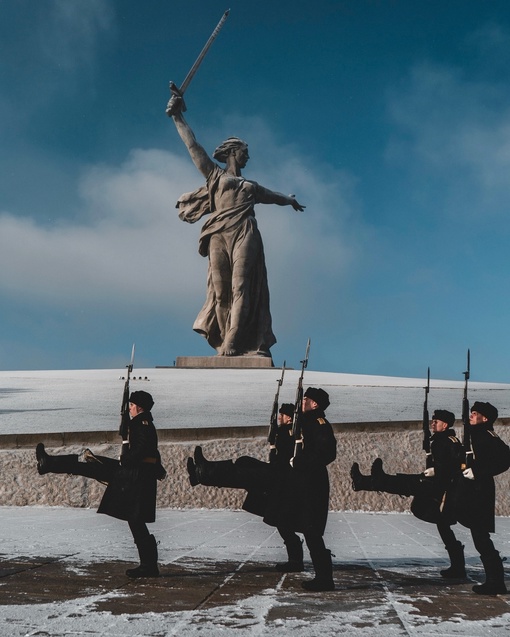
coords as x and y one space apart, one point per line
270 196
197 152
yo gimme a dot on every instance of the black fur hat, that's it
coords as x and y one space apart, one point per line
143 399
444 416
487 410
287 409
319 395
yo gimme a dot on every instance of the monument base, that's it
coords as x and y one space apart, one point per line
224 362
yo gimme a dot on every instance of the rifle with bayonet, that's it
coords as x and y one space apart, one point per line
179 91
426 426
298 407
466 439
273 422
124 409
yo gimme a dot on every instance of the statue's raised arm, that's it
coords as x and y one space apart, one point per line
197 152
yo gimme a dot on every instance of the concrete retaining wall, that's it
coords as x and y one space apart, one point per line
397 443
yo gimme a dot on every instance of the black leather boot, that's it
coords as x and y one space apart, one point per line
148 552
323 580
400 484
359 482
192 472
54 464
216 473
294 564
378 475
494 576
457 569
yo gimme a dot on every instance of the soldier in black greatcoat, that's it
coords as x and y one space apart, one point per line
300 501
432 501
258 478
131 480
291 493
475 493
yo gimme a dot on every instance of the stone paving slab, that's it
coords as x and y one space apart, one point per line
217 577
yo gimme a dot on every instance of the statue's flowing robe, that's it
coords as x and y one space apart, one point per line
232 241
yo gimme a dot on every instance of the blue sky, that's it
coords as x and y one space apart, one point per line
389 120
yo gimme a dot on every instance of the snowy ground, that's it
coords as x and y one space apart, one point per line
62 569
62 573
89 400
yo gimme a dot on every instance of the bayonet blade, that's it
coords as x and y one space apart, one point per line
130 366
466 373
280 380
305 362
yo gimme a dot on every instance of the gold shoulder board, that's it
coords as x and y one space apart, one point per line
321 421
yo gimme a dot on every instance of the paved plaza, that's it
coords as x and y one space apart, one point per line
62 573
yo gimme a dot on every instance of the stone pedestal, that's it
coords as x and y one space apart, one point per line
224 362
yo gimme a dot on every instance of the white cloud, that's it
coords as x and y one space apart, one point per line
129 245
133 241
492 40
457 129
68 35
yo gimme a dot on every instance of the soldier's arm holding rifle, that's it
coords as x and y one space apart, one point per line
124 409
466 440
298 408
429 469
273 423
125 417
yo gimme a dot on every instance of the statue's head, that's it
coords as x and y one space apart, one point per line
229 146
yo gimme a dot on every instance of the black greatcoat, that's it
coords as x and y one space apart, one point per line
300 501
446 450
260 478
433 503
131 492
475 500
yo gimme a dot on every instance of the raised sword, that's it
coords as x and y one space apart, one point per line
179 91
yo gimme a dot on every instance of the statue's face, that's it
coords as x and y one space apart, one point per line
242 156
